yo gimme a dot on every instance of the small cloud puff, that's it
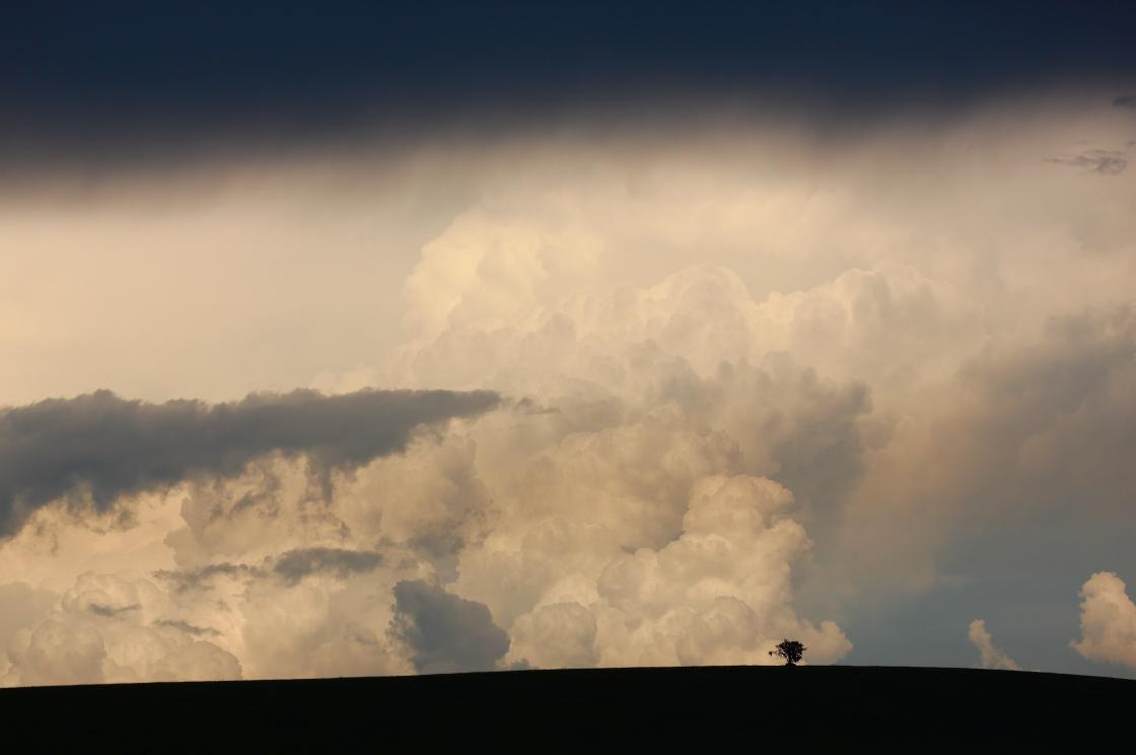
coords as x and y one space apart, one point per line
992 657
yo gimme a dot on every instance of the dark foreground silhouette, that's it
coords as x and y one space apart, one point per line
717 709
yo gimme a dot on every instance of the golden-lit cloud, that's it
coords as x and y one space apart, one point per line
992 657
755 378
1108 621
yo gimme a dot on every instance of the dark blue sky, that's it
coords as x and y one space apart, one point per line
84 78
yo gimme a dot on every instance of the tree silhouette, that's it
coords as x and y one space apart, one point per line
790 650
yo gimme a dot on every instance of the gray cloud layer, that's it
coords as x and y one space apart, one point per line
108 446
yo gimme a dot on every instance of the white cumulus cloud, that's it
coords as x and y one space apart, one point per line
1108 621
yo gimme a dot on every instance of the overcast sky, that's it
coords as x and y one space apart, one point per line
339 340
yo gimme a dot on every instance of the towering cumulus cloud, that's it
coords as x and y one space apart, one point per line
101 447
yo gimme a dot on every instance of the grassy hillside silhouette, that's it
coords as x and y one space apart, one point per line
584 710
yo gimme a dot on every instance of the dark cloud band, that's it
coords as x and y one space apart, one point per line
131 77
107 446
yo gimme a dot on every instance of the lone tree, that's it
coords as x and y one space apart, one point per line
790 650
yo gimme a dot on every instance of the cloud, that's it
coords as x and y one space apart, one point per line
719 593
646 516
102 631
297 564
56 653
1108 621
200 577
523 511
557 635
768 384
21 606
104 447
1108 162
1128 101
108 611
1028 429
446 633
992 657
316 630
185 626
1052 419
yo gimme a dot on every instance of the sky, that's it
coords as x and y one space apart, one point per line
343 340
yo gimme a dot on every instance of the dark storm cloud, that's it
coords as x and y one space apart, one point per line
148 79
107 446
297 564
446 633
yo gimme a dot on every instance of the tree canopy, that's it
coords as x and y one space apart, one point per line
791 650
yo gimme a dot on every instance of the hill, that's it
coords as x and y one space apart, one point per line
592 710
